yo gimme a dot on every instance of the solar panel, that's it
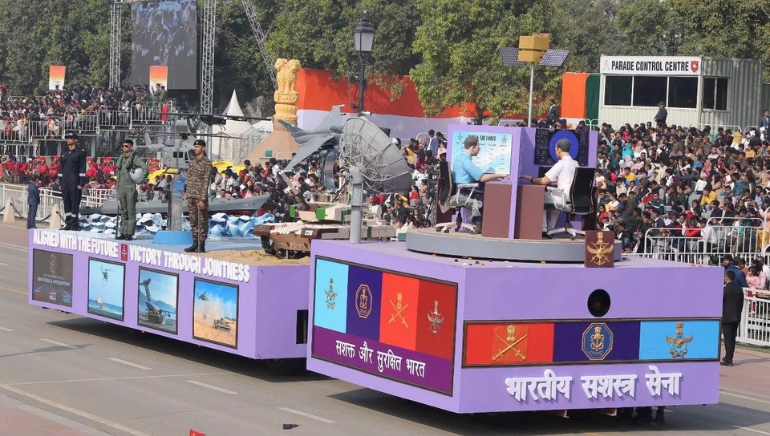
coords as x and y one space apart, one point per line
554 58
511 57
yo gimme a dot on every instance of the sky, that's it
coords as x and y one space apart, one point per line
226 295
111 290
163 287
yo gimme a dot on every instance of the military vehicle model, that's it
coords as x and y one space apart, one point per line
222 324
316 220
329 221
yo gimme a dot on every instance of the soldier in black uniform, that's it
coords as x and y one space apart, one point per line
72 176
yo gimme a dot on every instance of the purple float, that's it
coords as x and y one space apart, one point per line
507 320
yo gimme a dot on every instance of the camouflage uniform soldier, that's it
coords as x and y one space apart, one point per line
198 179
127 195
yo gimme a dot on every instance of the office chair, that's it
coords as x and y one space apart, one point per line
451 196
580 202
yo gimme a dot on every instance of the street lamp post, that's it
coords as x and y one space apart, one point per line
363 36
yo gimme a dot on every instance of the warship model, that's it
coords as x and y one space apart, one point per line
230 206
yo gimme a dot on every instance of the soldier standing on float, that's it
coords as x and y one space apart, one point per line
198 180
127 195
72 176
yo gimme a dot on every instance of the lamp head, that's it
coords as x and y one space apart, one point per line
363 36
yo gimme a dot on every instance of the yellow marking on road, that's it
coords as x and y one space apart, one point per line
15 291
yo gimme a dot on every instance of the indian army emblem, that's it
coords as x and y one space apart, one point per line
331 296
599 253
435 318
364 301
399 309
510 344
678 347
599 249
597 341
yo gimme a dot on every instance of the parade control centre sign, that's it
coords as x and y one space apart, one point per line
651 65
182 262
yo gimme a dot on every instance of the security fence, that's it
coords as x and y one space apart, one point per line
755 318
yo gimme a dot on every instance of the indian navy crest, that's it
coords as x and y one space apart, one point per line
331 296
364 301
678 347
597 341
436 318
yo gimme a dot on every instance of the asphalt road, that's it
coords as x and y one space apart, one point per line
66 375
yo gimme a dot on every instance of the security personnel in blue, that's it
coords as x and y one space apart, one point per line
131 170
72 176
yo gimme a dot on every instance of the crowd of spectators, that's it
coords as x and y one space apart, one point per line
683 188
45 116
660 187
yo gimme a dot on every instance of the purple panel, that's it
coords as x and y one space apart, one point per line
436 374
258 302
566 289
485 390
364 299
569 341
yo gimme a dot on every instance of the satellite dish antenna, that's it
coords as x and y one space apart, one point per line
374 163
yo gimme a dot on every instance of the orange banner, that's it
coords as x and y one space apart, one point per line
158 74
56 76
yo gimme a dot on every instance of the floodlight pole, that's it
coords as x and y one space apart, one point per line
531 91
356 204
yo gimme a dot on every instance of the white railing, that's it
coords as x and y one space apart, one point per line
18 196
755 318
737 240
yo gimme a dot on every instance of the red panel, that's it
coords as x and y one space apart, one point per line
508 344
436 319
398 319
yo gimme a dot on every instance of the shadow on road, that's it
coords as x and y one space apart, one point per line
723 417
262 370
46 350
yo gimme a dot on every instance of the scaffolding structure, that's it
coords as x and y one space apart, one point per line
209 40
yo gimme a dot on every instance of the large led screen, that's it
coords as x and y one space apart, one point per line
165 34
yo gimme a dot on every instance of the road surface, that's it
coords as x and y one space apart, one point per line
65 375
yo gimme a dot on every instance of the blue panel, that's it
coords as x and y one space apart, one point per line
662 340
331 295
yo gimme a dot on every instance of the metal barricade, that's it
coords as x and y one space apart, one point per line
746 242
48 198
114 119
755 318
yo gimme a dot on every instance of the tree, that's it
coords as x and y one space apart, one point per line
460 47
320 35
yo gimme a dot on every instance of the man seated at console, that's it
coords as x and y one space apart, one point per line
465 171
562 173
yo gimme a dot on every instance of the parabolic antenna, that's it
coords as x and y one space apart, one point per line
365 147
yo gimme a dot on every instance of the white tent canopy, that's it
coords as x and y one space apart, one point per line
229 148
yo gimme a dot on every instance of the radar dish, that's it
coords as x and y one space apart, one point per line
364 146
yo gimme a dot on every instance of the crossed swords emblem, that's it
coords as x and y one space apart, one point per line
510 344
399 308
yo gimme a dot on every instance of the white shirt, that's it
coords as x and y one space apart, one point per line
563 173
